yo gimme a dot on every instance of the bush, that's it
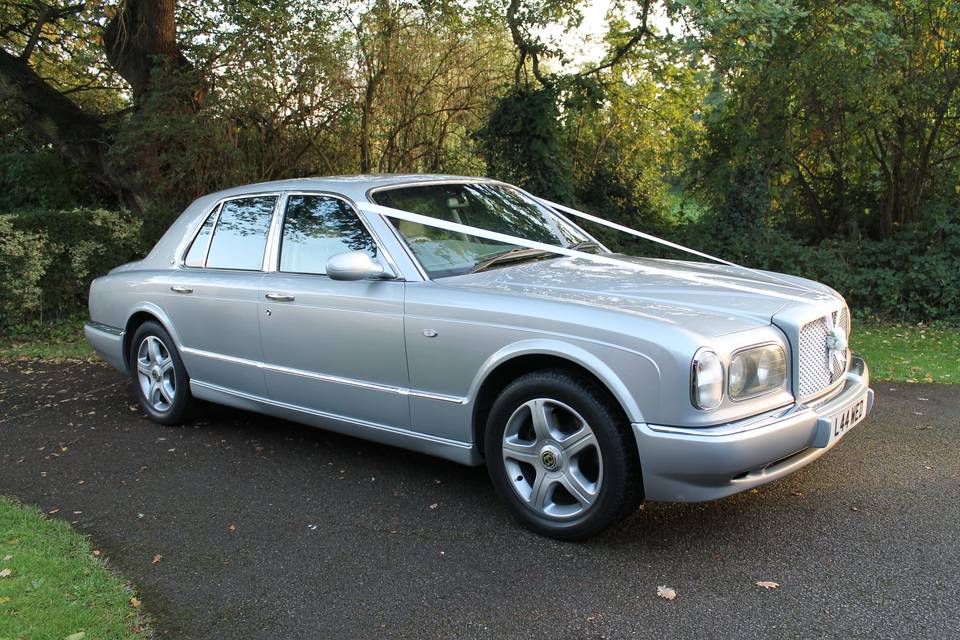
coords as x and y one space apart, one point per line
23 262
912 276
49 258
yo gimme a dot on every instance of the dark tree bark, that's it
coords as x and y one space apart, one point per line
49 115
140 37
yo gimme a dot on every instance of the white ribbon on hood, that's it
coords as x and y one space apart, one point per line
398 214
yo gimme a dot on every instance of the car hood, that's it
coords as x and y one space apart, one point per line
707 305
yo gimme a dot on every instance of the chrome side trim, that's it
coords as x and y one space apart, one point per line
334 416
402 391
105 328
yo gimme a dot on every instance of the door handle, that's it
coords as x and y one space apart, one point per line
279 297
179 289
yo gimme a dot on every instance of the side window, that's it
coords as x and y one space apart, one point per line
241 234
198 250
317 227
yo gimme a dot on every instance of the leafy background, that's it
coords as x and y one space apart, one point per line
804 136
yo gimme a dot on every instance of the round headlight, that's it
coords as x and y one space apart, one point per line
757 371
707 380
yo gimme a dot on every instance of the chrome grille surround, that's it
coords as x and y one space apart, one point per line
820 370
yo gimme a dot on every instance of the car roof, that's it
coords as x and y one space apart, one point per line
353 186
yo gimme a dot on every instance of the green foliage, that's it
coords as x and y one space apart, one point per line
521 142
40 178
23 262
912 275
49 258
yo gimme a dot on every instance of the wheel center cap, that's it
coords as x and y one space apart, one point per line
155 374
550 458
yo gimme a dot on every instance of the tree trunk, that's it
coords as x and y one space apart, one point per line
141 37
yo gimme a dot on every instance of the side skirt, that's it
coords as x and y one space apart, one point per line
461 452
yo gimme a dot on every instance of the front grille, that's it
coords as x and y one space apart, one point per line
819 367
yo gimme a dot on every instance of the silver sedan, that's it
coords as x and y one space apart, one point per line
586 382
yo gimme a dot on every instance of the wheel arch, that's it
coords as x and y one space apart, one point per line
533 355
146 312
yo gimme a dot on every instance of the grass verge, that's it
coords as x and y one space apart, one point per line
905 352
910 353
60 339
52 586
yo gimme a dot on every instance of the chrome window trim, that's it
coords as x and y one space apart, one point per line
277 230
216 209
787 382
427 183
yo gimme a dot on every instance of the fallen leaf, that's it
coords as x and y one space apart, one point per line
79 635
7 558
156 559
135 602
53 511
766 584
232 528
666 592
4 599
434 505
6 573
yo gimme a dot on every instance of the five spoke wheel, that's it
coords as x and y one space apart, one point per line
552 458
155 373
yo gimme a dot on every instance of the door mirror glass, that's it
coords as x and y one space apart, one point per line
353 265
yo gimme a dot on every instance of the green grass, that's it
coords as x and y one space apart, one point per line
906 352
60 339
52 586
911 353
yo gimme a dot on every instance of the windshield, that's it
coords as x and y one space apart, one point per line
492 207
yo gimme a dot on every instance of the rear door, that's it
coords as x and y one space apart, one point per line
212 300
331 346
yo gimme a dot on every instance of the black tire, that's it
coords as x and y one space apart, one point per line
159 409
621 490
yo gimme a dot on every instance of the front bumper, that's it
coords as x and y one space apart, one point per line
681 464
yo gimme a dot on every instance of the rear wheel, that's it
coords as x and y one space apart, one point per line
560 454
159 377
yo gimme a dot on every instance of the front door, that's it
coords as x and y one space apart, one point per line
332 347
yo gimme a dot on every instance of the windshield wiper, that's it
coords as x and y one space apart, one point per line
585 244
511 255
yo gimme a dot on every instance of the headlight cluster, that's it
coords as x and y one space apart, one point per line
751 372
754 372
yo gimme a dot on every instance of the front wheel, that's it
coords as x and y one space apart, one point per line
159 377
561 455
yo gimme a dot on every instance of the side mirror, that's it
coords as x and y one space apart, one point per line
353 265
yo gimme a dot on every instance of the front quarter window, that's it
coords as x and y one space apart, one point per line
492 207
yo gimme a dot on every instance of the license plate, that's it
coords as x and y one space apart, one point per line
842 421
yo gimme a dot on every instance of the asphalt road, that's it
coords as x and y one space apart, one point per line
272 530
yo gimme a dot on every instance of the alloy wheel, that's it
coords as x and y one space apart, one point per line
156 374
553 459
